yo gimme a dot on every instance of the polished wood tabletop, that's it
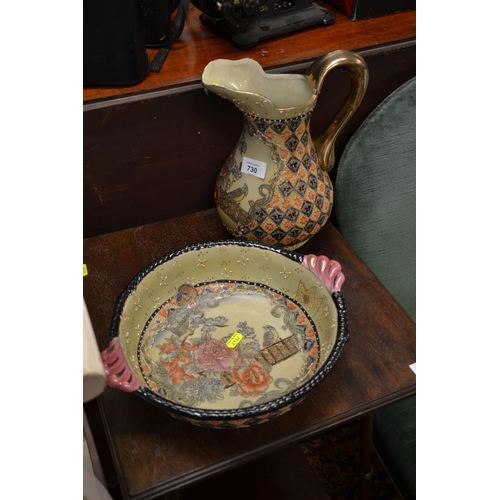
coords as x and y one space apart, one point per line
198 45
153 452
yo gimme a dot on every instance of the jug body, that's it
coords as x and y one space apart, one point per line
271 188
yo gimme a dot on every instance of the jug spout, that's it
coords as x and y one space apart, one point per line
255 92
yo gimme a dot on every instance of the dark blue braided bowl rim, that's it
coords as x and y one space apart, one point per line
240 413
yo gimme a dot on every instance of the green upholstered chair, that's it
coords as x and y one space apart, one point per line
375 211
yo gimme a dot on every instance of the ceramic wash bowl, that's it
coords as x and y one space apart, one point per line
228 334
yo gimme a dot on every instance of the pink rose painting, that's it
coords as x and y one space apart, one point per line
215 355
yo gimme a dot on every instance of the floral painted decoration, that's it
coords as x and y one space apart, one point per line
185 358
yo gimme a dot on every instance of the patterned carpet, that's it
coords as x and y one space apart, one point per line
334 457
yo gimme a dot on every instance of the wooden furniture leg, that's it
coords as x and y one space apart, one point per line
366 456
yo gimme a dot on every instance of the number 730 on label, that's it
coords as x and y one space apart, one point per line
253 167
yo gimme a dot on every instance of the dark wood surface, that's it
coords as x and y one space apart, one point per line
155 453
284 474
198 45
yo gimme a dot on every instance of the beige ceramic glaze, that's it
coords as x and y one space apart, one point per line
253 91
274 187
176 326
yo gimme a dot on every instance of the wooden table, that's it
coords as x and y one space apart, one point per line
154 453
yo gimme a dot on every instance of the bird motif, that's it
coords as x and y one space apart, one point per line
271 336
179 318
186 295
237 194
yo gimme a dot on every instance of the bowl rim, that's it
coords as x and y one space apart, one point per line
251 411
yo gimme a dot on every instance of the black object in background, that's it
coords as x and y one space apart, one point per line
114 44
161 31
248 22
157 15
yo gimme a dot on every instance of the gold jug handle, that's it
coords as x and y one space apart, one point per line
316 74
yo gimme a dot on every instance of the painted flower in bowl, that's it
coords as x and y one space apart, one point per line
228 334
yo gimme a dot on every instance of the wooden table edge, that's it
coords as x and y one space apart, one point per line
305 433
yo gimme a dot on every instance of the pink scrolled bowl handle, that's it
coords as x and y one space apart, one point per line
118 372
327 270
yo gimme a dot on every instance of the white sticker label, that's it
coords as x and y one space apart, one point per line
254 167
414 367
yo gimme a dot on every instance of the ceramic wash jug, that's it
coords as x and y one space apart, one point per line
274 187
